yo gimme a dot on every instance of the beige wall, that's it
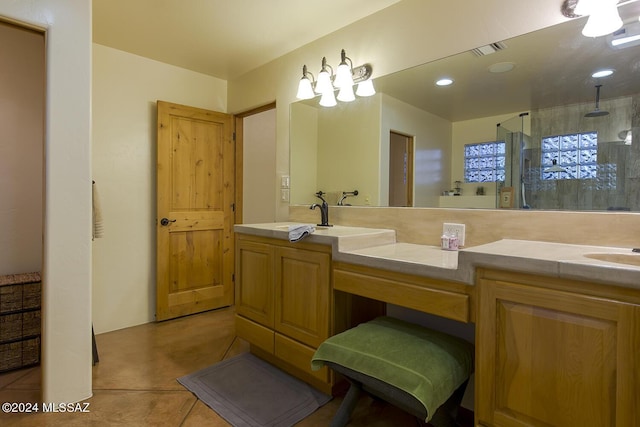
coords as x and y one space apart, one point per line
21 149
66 331
259 196
125 90
349 151
432 150
304 165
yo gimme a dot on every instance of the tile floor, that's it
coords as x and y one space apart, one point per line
134 384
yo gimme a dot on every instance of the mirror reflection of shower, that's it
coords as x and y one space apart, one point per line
625 135
597 112
518 162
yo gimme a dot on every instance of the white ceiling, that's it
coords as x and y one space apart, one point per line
221 38
552 67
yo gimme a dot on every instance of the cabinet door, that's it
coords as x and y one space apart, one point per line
302 292
553 358
254 281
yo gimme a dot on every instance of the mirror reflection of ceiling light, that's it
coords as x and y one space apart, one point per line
444 81
627 36
602 73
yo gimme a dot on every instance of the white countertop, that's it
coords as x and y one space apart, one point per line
378 248
341 238
557 259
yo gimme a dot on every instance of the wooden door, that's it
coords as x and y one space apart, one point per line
195 196
302 294
400 170
552 358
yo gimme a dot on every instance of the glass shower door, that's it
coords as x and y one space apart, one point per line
511 189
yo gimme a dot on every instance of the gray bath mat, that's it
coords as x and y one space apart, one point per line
249 392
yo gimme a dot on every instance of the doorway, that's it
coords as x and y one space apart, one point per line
400 169
195 197
22 175
256 168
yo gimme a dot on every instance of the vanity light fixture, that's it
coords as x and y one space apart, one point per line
344 79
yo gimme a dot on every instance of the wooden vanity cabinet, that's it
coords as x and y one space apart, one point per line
283 302
553 352
438 297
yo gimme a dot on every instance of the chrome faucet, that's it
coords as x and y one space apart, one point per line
324 210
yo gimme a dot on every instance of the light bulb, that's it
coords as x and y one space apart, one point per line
328 99
604 19
324 82
584 7
343 76
305 91
346 94
365 88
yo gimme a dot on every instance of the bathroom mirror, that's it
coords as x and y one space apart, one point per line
533 87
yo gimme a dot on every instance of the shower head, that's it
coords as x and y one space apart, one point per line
597 112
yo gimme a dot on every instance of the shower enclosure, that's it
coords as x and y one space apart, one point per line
511 191
563 159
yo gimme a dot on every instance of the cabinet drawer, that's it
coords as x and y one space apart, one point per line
443 303
298 355
254 333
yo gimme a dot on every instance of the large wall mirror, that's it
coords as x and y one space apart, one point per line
524 125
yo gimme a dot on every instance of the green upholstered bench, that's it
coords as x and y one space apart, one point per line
407 365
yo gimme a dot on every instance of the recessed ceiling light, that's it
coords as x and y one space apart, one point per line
602 73
444 81
501 67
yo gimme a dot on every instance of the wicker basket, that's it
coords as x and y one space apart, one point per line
19 354
19 321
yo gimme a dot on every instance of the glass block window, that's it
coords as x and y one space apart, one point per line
576 154
484 162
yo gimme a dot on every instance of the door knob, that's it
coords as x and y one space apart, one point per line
166 221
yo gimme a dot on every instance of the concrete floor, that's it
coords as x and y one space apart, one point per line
134 384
